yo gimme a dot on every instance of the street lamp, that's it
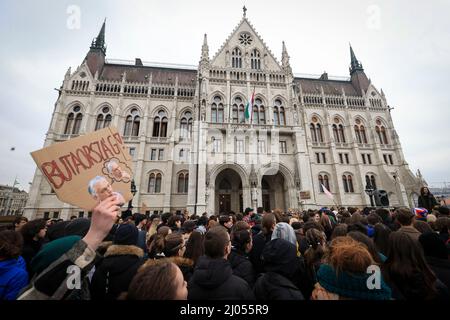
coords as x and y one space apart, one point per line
370 191
133 191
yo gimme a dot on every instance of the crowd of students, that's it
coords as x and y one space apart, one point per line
326 254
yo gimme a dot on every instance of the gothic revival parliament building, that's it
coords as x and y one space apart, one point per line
193 147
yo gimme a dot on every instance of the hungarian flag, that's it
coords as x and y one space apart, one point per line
328 193
249 106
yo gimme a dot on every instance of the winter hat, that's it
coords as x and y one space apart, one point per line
280 255
51 252
126 234
420 213
284 231
433 246
78 227
353 286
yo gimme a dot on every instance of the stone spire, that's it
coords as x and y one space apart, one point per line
285 60
99 42
355 65
205 50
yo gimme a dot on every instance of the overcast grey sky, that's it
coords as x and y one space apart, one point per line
403 46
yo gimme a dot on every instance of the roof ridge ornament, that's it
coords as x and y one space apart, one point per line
244 9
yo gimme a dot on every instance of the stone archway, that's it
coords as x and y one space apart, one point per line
274 192
228 192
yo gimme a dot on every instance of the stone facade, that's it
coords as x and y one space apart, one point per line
12 200
193 147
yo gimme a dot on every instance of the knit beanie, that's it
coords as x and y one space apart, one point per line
126 234
353 286
51 252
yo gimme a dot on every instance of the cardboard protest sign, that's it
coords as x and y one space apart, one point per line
85 170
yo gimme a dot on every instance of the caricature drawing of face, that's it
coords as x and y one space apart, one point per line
100 188
117 172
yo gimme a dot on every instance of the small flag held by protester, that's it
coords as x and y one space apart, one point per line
328 193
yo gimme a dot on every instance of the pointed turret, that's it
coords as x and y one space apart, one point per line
285 59
205 50
99 42
355 65
357 75
95 59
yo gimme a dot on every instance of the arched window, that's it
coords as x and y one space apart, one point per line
238 110
255 59
217 110
183 182
312 128
160 124
348 183
236 58
279 118
362 130
341 133
319 132
344 182
371 179
132 123
154 183
103 119
335 133
186 125
323 181
74 119
259 115
381 133
358 134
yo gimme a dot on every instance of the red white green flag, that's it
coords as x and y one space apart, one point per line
249 106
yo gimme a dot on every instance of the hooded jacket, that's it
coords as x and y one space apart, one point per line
213 279
114 273
13 278
242 267
281 265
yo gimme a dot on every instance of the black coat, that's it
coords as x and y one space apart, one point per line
274 286
259 241
115 271
242 267
427 201
441 268
213 279
29 250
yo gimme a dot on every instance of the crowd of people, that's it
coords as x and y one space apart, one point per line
327 254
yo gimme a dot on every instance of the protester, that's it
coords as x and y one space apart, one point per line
280 263
51 283
226 222
13 273
156 243
241 241
426 199
339 231
316 241
195 247
174 249
202 222
343 275
33 233
121 261
187 228
213 277
174 223
406 219
19 222
436 255
260 240
407 272
381 238
162 281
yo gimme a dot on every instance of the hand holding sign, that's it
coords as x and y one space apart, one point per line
89 169
103 217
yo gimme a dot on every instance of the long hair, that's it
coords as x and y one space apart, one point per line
157 243
368 243
406 264
154 282
194 246
381 237
315 240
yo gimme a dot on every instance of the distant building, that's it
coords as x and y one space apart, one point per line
12 200
300 135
